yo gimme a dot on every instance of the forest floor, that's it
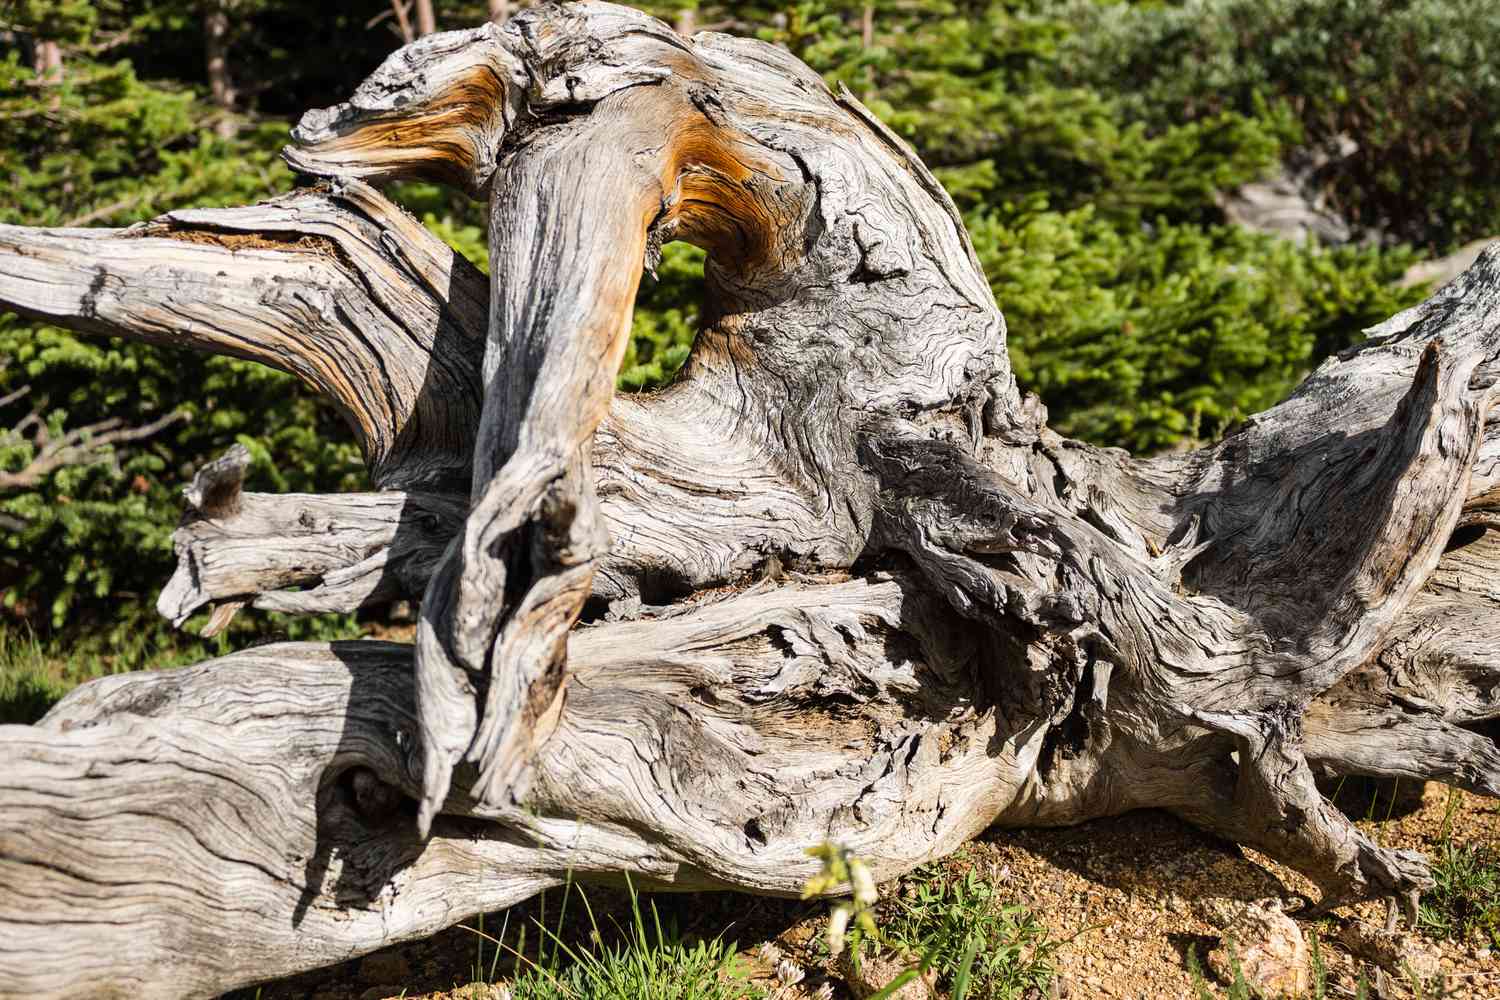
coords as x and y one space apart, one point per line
1123 900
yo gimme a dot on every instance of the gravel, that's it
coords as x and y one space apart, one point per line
1129 897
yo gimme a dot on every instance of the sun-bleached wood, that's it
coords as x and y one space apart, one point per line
334 286
838 581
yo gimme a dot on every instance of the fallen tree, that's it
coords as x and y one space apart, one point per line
837 582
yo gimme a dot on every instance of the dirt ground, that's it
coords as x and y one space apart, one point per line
1128 895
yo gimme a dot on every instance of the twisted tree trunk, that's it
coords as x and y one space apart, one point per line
838 581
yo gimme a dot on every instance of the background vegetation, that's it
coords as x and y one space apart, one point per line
1088 144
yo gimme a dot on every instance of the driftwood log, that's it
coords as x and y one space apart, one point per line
837 582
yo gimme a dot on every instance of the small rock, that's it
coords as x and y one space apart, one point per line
1217 911
384 968
1269 947
1396 953
479 991
877 971
1288 203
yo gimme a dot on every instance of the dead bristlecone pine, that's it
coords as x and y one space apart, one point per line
839 582
1271 953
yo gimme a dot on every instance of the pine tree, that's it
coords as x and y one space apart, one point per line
90 143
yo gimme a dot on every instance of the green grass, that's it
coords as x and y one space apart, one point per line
647 960
30 681
969 935
1465 903
35 674
981 947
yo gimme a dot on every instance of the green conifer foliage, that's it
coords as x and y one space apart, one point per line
1412 84
99 146
1085 144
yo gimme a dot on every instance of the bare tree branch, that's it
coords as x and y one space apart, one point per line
88 445
402 10
426 18
839 581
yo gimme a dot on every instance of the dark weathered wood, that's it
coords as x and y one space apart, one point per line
837 581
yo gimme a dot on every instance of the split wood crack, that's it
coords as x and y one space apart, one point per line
838 581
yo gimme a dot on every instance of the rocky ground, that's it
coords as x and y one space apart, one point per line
1129 897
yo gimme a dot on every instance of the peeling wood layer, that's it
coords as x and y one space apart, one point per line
838 581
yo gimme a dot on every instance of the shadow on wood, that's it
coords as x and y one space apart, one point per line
837 582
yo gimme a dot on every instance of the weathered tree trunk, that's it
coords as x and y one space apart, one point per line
838 581
426 18
221 88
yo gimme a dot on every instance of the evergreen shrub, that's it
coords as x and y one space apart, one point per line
1085 145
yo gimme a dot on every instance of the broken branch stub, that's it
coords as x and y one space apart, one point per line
838 580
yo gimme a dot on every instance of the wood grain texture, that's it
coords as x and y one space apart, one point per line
208 849
837 581
337 286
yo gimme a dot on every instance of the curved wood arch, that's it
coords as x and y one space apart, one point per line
901 609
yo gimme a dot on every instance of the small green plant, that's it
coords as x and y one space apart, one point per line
648 961
1465 902
841 868
1318 966
964 926
852 918
979 947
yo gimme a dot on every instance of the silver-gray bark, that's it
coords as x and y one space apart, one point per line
838 581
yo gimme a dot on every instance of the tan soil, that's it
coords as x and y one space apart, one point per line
1129 895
